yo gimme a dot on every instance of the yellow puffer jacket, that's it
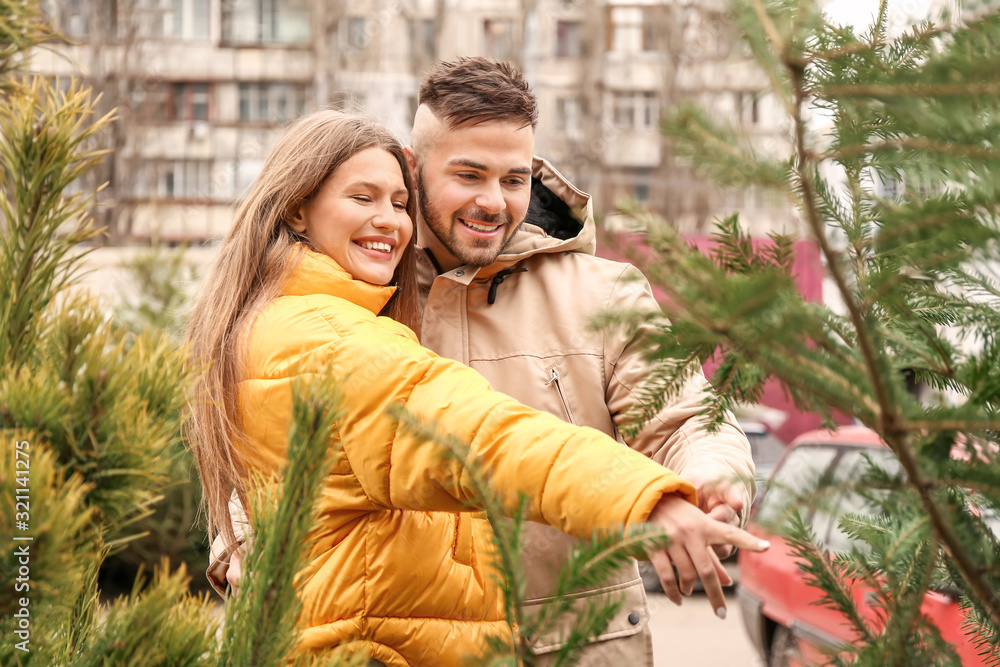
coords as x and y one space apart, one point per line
400 565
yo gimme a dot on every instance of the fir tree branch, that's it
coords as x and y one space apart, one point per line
911 613
887 419
507 534
769 28
932 364
777 46
910 143
916 91
820 569
261 625
921 426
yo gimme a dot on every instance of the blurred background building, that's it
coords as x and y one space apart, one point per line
204 87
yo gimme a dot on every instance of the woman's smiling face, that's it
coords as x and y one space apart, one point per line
358 216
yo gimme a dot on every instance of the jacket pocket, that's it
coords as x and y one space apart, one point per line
462 549
556 382
630 620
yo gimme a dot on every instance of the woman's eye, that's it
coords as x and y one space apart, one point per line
399 205
364 198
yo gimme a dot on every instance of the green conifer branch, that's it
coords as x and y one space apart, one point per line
262 620
507 535
589 565
44 148
820 568
887 419
907 267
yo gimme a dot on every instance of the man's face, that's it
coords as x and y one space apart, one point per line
473 188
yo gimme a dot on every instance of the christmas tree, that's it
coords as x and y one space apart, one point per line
916 268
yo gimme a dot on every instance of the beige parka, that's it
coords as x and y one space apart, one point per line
533 341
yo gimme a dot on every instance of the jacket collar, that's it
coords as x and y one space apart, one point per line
533 236
315 273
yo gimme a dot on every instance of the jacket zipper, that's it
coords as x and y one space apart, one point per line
554 380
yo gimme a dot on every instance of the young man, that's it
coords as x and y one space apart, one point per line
509 284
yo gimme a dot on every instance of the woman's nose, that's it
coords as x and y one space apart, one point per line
386 216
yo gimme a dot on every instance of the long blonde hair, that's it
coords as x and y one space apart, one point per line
253 262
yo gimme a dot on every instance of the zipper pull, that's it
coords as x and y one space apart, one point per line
555 376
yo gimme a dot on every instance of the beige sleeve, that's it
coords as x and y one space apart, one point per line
678 436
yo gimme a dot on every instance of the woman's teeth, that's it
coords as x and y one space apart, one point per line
478 227
376 245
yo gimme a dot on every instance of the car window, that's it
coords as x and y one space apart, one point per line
849 496
793 484
992 519
765 448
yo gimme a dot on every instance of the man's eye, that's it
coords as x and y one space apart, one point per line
468 177
515 182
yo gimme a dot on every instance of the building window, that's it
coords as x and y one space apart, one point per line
568 40
635 110
181 19
175 179
150 101
498 38
355 38
631 29
70 17
640 187
271 102
890 187
422 40
190 101
748 107
172 101
265 22
569 117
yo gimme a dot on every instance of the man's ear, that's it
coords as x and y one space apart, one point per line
411 161
296 219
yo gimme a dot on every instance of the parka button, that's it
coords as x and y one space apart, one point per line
460 273
633 618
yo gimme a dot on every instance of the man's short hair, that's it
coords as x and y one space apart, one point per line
478 89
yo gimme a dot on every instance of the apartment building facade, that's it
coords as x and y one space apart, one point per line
204 87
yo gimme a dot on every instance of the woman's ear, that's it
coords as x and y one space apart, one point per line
296 219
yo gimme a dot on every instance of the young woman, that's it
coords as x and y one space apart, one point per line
319 254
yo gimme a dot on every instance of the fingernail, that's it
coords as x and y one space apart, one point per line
721 612
764 544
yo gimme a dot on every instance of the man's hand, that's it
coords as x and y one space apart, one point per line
693 534
721 500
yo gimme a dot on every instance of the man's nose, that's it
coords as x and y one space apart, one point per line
490 198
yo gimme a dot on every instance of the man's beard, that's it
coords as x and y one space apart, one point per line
475 252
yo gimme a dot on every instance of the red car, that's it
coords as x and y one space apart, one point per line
779 609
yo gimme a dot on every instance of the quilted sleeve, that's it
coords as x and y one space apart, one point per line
577 479
677 436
